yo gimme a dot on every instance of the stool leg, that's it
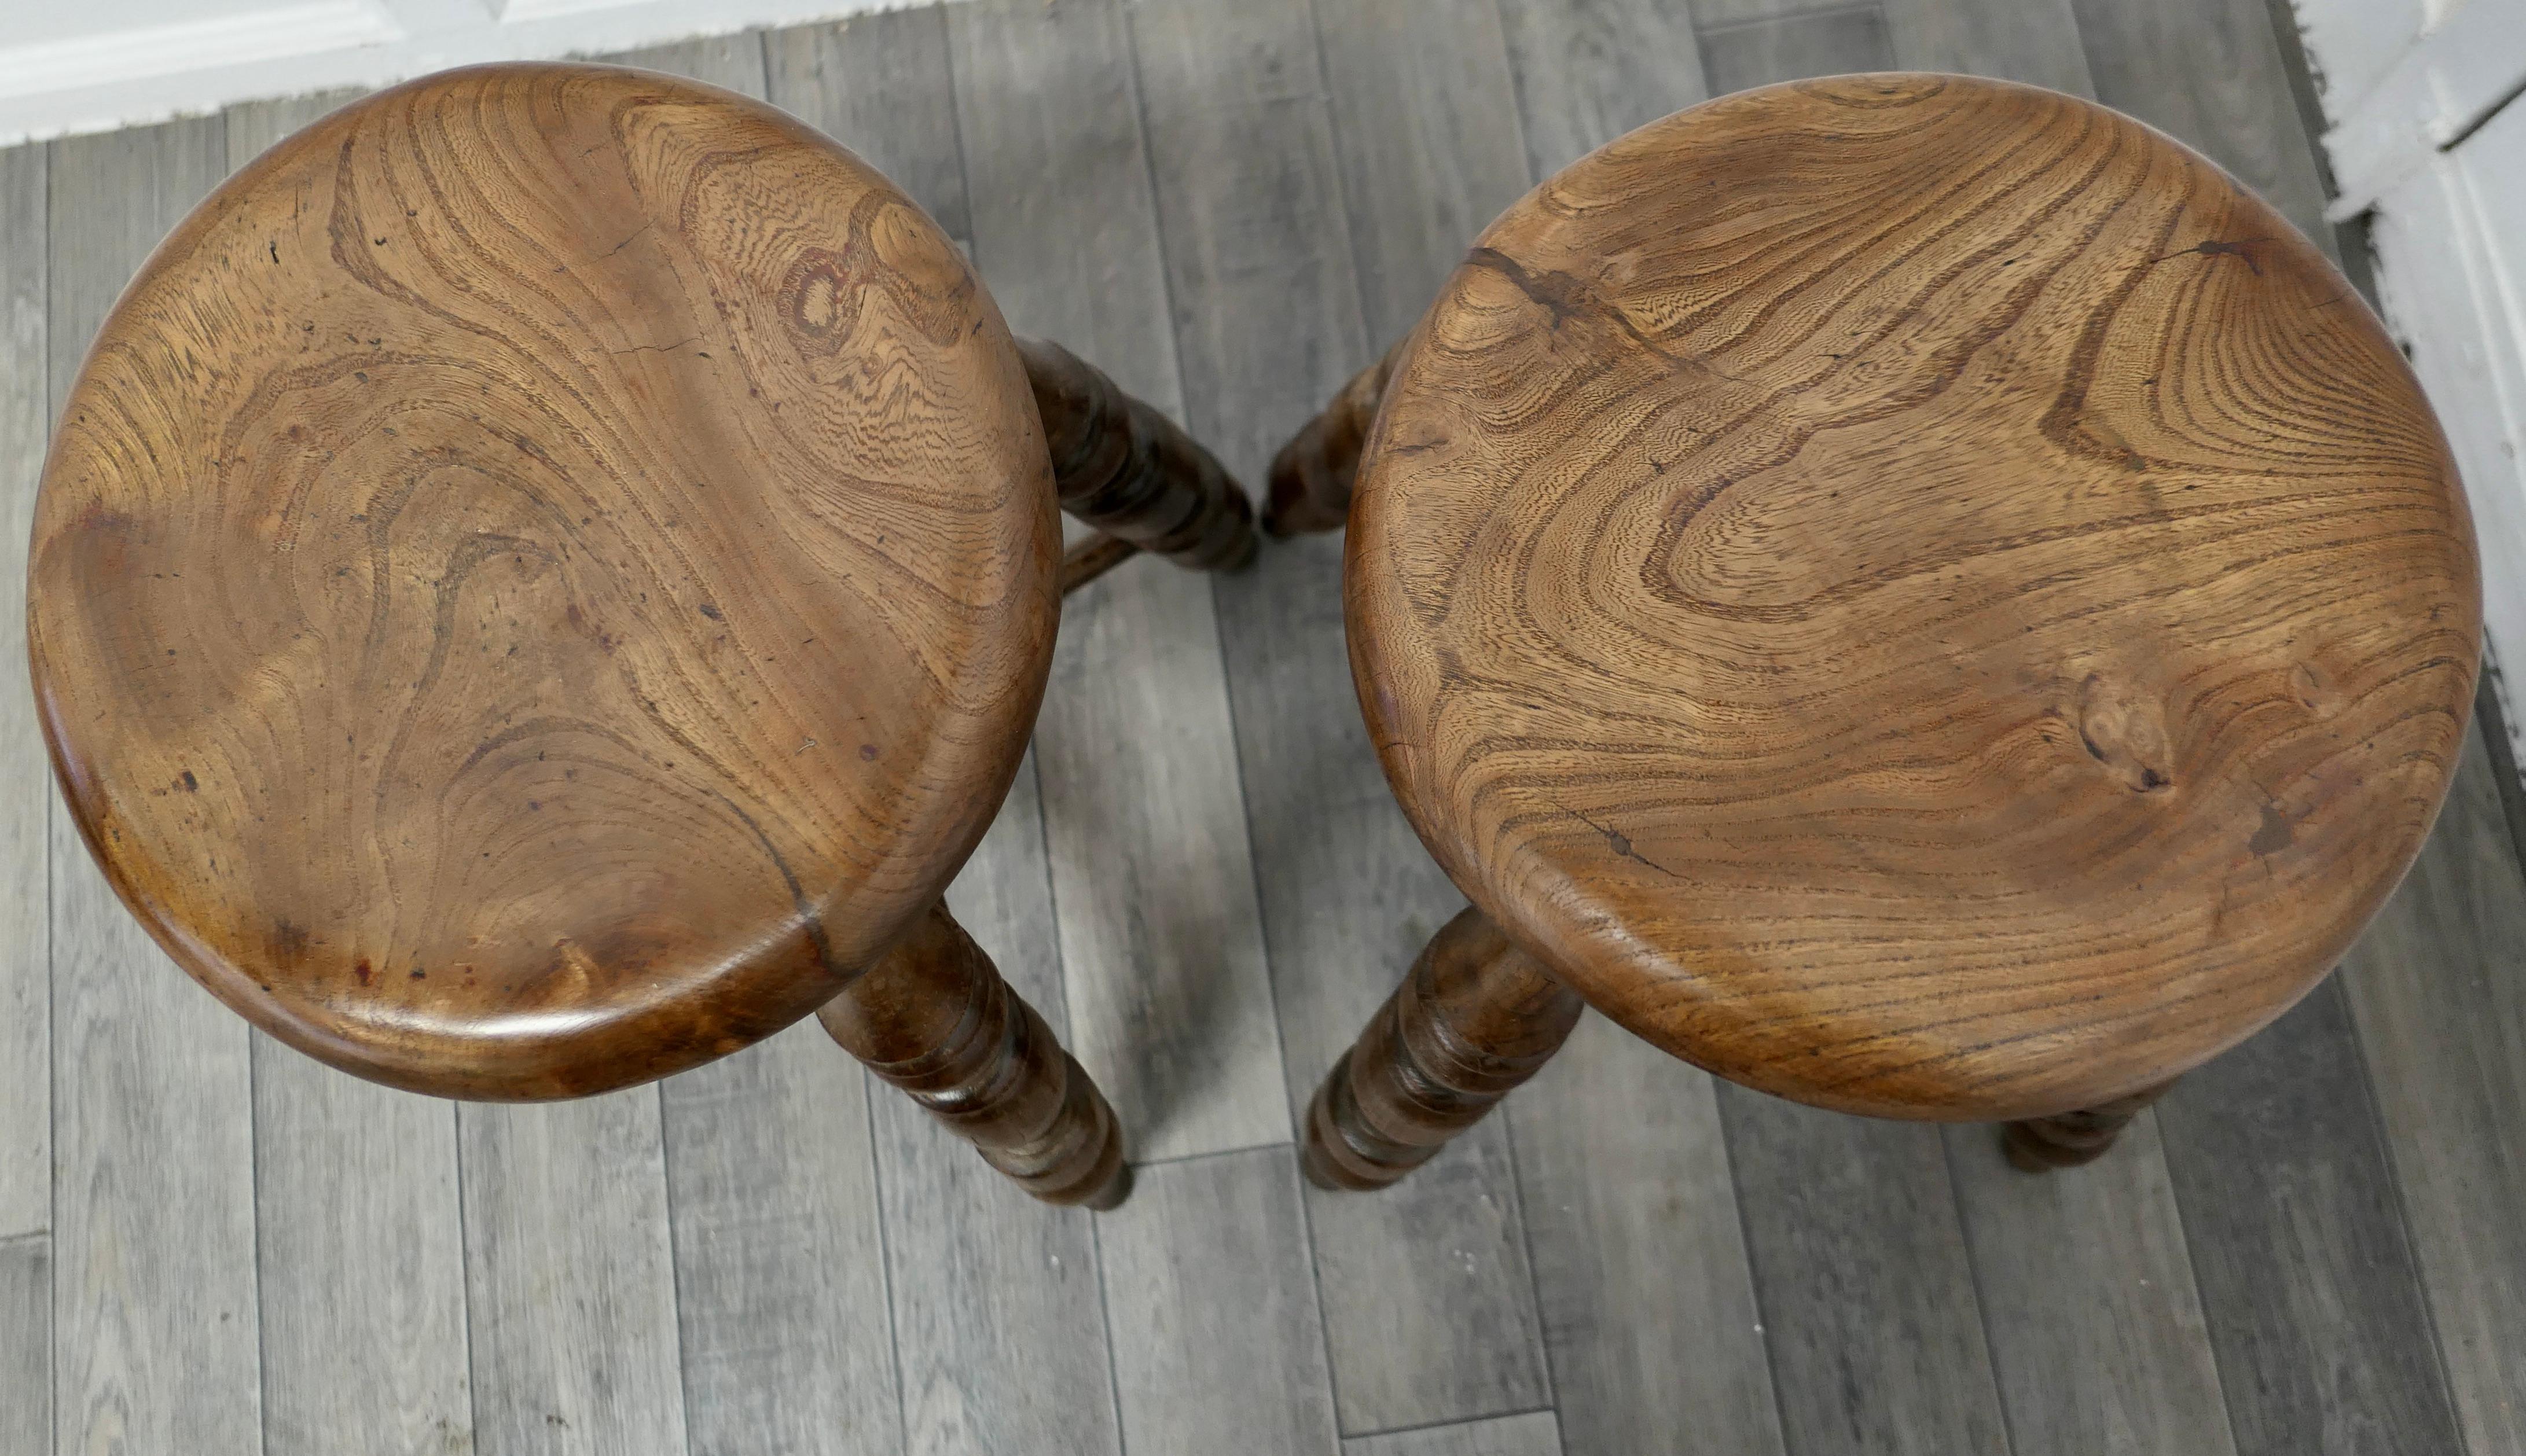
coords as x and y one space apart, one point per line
1475 1017
1122 467
1312 476
935 1019
2066 1140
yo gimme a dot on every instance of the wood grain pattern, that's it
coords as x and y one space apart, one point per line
1475 1017
1921 664
2299 1248
1609 1196
358 1234
649 602
1161 949
770 1197
879 85
1217 1345
2209 74
1589 70
154 1309
2093 1323
25 786
2438 1002
935 1019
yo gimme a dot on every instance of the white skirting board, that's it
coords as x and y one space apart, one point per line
2427 139
106 64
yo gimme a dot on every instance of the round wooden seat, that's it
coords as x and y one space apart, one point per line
544 578
1920 595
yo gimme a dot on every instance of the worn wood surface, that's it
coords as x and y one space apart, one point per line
997 1303
2025 799
25 781
567 521
154 1295
2435 990
1208 1289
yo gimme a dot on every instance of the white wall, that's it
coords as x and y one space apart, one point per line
2427 137
71 65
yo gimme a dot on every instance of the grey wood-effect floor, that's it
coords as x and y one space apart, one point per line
208 1244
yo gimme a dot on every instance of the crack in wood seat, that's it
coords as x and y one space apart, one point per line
546 575
1917 594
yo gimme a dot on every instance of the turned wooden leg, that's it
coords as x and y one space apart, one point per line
1311 477
1127 469
2041 1144
935 1019
1476 1017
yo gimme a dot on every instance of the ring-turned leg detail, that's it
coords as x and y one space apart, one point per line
1312 476
1475 1017
2066 1140
935 1019
1127 469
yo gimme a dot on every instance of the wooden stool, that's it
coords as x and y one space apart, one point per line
546 575
1918 596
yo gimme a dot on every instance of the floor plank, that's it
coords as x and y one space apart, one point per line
25 779
1429 1303
879 85
780 1262
155 1313
570 1278
2298 1245
357 1221
2209 74
1758 53
2088 1301
2436 995
1533 1434
1589 70
1217 1345
1161 941
27 1344
1633 1219
1861 1278
998 1311
2035 41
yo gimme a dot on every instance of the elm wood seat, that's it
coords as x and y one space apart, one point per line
1919 595
546 575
